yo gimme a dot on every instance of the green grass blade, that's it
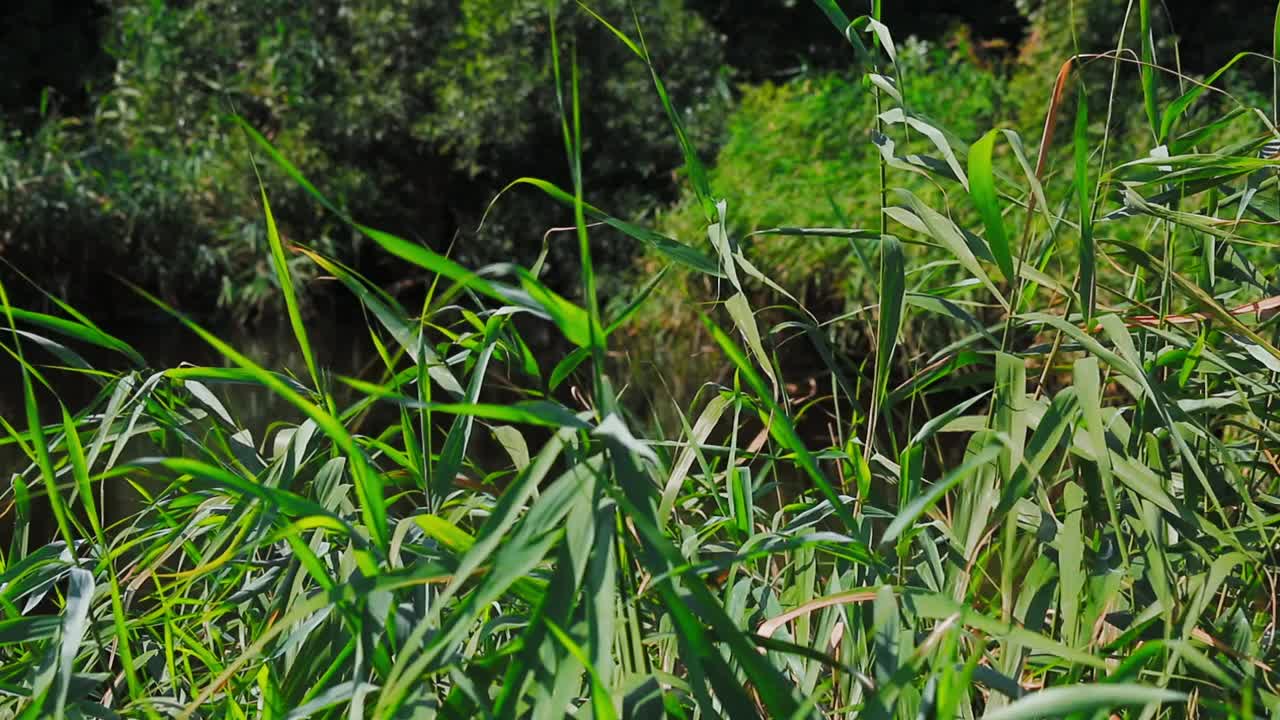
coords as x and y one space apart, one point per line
79 331
1148 69
281 266
373 504
1087 253
1184 101
75 621
1061 701
983 191
672 249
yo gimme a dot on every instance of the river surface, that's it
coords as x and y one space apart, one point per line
341 345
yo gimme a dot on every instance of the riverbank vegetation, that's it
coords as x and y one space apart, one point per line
1047 487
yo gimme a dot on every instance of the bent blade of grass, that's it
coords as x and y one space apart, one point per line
36 430
942 229
672 249
543 413
883 38
718 235
71 360
857 595
693 165
571 319
698 435
848 28
697 172
1038 199
613 428
289 503
931 427
232 375
1176 108
394 319
936 136
573 360
740 312
925 166
80 331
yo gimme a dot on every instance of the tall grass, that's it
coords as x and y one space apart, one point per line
1089 532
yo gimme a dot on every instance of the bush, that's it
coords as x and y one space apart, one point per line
76 210
799 154
415 113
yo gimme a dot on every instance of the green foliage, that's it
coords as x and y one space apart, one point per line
75 209
795 156
415 113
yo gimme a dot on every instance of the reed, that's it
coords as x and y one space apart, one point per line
482 532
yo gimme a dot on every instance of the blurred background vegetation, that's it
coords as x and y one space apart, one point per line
118 157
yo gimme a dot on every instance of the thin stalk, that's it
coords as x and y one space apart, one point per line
883 192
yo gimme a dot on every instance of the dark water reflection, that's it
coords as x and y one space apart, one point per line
341 345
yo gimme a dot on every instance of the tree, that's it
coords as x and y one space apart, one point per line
412 113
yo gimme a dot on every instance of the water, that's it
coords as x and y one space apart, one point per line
341 346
